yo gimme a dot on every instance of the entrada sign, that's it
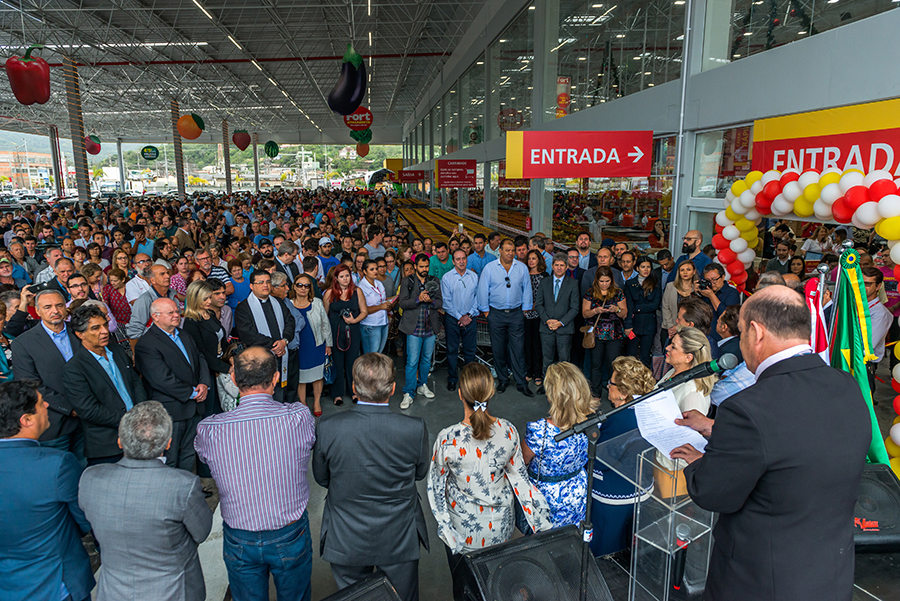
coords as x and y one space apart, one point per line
549 154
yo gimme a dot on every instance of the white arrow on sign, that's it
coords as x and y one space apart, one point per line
637 154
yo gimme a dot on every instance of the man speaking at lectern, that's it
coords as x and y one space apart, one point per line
783 465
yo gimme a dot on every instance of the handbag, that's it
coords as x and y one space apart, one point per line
329 371
590 340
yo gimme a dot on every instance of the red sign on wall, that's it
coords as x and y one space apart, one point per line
408 176
548 154
456 173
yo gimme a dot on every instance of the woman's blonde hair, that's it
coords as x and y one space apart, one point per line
476 385
633 378
569 395
197 294
694 341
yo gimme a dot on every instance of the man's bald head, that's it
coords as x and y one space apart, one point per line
255 370
692 242
772 320
164 313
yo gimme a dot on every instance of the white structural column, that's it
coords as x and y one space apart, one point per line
59 178
226 153
179 155
546 27
121 162
489 204
256 162
76 127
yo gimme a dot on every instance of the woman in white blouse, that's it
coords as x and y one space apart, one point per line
375 325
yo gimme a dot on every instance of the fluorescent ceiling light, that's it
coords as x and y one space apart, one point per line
256 64
200 6
234 41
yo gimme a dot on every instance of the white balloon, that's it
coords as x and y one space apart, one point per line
779 212
748 199
737 207
897 182
782 204
822 210
752 215
868 213
770 176
895 252
729 196
731 232
895 372
738 245
874 176
747 264
857 223
727 203
807 178
722 219
792 192
830 170
830 193
895 433
892 243
849 180
747 256
757 187
889 206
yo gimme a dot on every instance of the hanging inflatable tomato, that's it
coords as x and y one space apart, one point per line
190 126
92 144
241 139
362 150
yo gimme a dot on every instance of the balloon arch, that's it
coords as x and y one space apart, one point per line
850 196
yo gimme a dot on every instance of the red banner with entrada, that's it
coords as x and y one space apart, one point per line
863 136
459 173
550 154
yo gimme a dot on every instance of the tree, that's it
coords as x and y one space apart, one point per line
97 171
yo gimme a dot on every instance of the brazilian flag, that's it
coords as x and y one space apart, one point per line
851 340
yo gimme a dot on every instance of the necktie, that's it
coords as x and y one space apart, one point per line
556 289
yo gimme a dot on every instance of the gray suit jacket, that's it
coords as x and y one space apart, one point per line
587 279
369 459
565 308
149 519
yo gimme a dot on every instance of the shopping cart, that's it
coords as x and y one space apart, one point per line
483 352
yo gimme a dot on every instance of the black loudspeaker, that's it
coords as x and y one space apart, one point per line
542 567
876 517
376 588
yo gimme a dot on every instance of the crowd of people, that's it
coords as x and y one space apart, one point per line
204 336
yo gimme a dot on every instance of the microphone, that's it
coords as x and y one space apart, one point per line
679 555
725 362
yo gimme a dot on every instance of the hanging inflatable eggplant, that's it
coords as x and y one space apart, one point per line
348 93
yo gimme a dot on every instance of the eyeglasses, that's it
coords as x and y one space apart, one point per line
690 238
301 285
142 261
508 284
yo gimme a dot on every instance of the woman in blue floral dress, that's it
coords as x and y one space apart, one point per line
557 468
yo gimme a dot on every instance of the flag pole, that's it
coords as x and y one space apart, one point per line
847 244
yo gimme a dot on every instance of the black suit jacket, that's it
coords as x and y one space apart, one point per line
168 377
565 308
96 399
782 469
641 307
35 357
372 512
733 346
286 270
205 335
248 332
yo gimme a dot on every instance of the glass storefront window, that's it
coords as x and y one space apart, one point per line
512 57
606 51
451 121
513 200
475 208
428 139
471 92
720 158
437 118
736 29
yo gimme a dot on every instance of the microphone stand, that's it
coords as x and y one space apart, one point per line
588 427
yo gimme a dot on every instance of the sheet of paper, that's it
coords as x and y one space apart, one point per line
656 420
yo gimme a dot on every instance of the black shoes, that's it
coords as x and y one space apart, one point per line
501 387
451 386
541 390
525 390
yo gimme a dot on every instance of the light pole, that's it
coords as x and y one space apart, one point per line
27 165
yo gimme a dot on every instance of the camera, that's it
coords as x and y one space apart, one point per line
347 313
704 284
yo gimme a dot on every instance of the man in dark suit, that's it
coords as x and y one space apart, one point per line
41 354
42 558
176 375
102 385
783 489
604 257
557 303
286 260
262 321
729 332
373 518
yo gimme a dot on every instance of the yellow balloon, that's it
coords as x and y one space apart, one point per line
804 208
745 225
729 212
897 420
812 193
889 228
753 243
739 187
892 448
829 178
749 236
895 465
846 171
897 350
753 177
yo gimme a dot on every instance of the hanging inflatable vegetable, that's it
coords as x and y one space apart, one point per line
29 77
92 144
350 89
362 150
190 126
362 141
241 139
271 149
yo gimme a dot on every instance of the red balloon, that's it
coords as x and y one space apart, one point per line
897 405
719 228
763 206
771 190
881 188
895 385
897 274
736 268
740 279
841 212
856 197
726 256
786 178
719 242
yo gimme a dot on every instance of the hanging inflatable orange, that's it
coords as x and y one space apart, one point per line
190 126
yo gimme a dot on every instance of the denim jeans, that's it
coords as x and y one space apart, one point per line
373 338
418 361
285 553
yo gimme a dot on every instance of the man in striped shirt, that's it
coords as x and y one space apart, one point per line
258 455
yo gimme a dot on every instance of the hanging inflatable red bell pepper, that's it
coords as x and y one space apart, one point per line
29 77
